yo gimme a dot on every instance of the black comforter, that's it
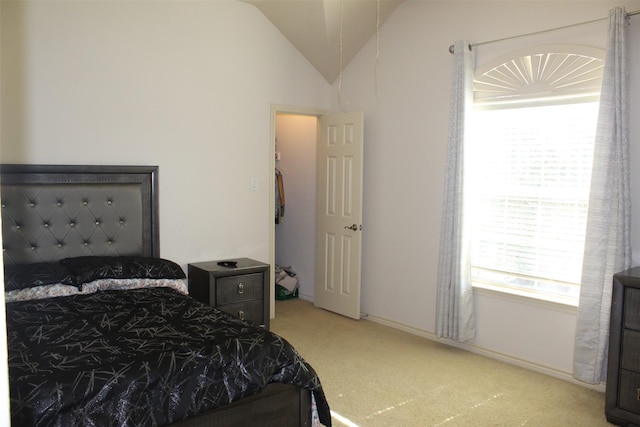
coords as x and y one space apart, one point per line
139 357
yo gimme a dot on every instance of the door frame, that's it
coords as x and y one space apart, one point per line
275 110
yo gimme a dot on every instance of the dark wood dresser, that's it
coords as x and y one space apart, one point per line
242 291
622 405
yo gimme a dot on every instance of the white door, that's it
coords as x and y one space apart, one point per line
339 213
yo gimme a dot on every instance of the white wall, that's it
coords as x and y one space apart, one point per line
184 85
406 100
295 235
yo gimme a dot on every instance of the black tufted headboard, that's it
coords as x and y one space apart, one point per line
50 212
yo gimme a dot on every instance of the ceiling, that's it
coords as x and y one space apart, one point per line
327 32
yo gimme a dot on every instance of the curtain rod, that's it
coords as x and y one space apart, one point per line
452 47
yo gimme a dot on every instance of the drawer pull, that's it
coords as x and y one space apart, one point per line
241 288
241 315
638 394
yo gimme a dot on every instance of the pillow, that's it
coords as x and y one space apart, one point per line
23 276
40 292
89 268
178 285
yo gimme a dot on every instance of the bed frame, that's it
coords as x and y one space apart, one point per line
50 212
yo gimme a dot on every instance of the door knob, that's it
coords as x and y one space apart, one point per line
354 227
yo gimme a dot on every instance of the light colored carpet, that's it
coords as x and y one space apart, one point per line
374 375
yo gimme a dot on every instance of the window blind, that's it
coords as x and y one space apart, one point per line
529 171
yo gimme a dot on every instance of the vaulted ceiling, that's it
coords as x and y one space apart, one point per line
327 32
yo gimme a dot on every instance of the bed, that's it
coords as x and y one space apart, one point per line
101 331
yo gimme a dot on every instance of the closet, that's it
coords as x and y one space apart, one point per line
295 228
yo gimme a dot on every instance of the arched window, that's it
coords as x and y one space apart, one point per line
542 74
528 158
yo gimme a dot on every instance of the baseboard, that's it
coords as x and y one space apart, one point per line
566 376
304 297
309 298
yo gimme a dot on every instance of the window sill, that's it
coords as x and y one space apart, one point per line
533 298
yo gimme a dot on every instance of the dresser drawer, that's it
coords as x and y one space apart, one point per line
250 311
244 287
632 308
630 350
629 392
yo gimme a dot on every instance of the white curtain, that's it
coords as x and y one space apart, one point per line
607 244
455 318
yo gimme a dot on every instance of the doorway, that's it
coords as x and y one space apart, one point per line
325 228
293 153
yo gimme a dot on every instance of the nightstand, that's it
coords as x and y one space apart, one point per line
242 291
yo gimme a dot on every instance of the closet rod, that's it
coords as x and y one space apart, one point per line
579 24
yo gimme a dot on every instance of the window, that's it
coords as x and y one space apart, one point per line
528 158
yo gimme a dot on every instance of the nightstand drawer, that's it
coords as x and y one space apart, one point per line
630 350
250 311
239 288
